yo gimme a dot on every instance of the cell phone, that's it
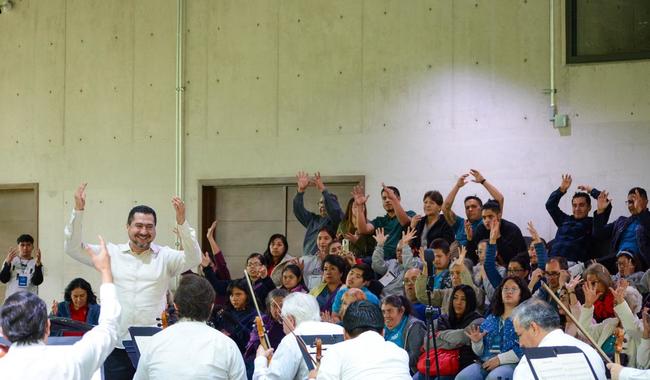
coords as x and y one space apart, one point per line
345 245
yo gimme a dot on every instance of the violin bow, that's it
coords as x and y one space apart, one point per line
261 330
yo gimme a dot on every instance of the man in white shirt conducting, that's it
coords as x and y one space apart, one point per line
190 349
538 325
24 322
142 270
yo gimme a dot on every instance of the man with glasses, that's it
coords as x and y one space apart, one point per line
409 291
631 234
555 276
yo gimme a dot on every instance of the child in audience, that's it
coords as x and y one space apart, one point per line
358 277
237 317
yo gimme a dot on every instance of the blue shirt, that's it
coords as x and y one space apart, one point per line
396 335
628 238
459 228
336 306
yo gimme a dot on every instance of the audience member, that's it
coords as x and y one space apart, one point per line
360 245
335 269
329 211
358 277
402 328
22 271
432 225
292 280
479 275
627 262
410 277
216 263
236 318
312 265
598 278
80 304
276 257
392 271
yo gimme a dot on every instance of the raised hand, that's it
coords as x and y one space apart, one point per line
101 260
461 256
462 180
80 197
38 256
415 220
379 236
469 232
475 334
359 195
205 260
11 254
55 308
535 277
353 238
603 201
319 182
349 257
585 188
390 194
302 181
211 230
640 204
571 285
262 272
478 177
591 294
179 207
495 231
407 236
566 182
533 233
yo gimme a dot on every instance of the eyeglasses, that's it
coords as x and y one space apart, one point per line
510 290
409 282
515 271
251 265
552 274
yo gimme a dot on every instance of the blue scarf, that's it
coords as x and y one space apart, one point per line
396 335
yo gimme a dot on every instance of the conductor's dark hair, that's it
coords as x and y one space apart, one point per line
23 318
362 316
80 283
142 210
194 298
25 238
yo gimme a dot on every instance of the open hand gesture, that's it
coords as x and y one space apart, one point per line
408 236
80 197
469 232
179 207
38 256
591 294
571 285
462 252
319 182
566 182
585 188
495 231
379 236
302 181
462 180
55 308
478 177
533 233
205 260
101 260
603 201
415 220
359 195
211 230
640 204
475 334
11 254
390 194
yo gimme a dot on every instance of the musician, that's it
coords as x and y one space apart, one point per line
538 325
190 349
300 311
625 373
142 270
23 319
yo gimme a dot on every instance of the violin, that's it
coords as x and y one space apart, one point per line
319 350
619 334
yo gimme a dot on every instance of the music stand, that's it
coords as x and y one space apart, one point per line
559 362
140 336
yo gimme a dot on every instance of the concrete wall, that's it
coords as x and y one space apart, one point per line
412 93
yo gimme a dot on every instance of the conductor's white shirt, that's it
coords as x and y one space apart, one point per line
141 280
79 361
368 356
191 350
558 338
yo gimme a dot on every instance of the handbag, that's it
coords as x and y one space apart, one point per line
448 361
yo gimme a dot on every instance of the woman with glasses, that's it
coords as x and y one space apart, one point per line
495 341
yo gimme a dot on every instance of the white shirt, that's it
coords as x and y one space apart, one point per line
634 374
368 356
287 362
191 350
559 338
141 280
79 361
25 268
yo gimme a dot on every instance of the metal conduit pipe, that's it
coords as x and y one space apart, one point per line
180 15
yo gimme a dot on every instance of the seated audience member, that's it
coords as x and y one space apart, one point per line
292 279
335 247
572 297
473 206
20 270
80 304
460 275
272 324
628 304
509 241
236 318
300 314
452 327
24 323
216 263
401 328
631 233
496 342
538 325
334 269
312 265
599 278
329 211
410 278
432 225
276 257
360 245
441 259
349 297
392 271
573 237
358 277
190 349
479 275
364 354
627 262
643 286
555 276
392 222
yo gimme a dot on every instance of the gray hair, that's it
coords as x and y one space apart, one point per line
302 307
275 293
538 311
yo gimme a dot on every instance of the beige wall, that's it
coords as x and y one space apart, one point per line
407 92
